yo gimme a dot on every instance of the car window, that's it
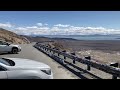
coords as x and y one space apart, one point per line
0 43
2 69
4 43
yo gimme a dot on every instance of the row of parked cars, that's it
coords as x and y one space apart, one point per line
18 68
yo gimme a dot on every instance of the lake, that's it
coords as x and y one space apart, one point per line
87 37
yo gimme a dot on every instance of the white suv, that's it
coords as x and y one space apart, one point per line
10 48
19 68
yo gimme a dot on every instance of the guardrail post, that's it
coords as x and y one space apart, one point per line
38 47
46 48
88 58
53 52
43 49
64 56
114 65
58 54
74 58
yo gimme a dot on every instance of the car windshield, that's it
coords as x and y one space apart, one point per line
4 62
7 62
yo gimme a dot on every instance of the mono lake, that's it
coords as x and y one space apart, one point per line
86 37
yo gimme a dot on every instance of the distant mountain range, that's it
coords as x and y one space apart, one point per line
44 38
12 37
79 37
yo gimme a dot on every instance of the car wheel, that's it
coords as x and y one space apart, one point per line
14 50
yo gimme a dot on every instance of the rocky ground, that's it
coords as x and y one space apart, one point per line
101 56
102 51
11 37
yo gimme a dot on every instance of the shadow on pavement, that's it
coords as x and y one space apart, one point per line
6 53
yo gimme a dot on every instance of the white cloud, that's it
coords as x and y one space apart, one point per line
61 25
45 24
71 30
32 27
58 29
21 28
39 24
32 30
6 25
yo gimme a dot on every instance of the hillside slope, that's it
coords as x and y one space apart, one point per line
12 37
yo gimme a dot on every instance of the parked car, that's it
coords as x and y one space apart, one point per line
17 68
10 48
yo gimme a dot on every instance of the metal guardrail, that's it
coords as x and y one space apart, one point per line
111 69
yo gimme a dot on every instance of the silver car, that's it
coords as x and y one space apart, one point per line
17 68
7 47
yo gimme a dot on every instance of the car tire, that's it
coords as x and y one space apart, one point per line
14 50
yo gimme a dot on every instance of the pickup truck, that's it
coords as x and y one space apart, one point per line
10 48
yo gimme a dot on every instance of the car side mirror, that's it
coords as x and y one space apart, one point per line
7 44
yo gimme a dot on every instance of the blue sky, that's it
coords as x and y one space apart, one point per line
57 19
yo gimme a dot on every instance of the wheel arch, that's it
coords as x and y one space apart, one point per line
14 48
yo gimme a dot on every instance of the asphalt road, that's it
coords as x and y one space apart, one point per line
29 52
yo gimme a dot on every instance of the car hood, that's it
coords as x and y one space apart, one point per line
14 45
27 64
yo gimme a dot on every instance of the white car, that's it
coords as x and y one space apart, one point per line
17 68
10 48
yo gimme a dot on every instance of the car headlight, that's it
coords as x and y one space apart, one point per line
19 47
47 71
